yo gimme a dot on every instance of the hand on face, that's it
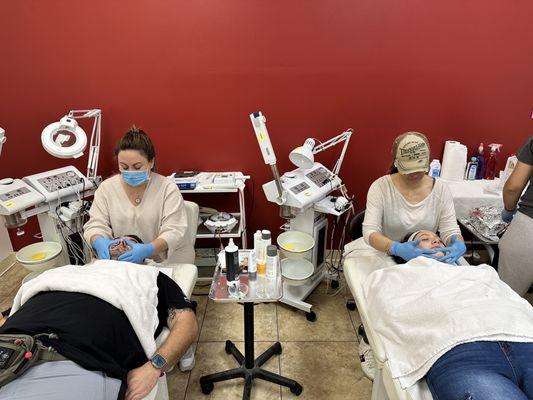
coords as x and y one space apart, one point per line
119 248
429 241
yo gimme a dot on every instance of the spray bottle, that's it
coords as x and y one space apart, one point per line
480 159
491 162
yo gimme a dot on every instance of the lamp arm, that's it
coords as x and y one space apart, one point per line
94 150
343 137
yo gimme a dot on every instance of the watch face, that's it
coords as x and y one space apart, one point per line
158 361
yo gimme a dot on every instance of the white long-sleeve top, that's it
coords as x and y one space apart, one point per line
389 213
160 215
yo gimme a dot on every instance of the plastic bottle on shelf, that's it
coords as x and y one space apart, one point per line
255 256
480 159
266 240
232 262
434 169
471 169
495 148
272 262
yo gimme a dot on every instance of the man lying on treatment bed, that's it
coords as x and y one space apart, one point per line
461 327
101 318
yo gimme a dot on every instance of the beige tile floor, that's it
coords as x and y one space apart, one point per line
320 355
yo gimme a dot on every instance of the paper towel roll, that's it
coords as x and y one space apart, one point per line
454 161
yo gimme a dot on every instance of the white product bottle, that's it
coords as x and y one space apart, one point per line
434 169
252 267
257 245
266 240
272 261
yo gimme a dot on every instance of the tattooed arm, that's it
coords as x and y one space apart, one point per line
183 331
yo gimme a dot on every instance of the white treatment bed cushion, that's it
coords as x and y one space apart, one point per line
356 270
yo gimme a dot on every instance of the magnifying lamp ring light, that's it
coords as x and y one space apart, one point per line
54 147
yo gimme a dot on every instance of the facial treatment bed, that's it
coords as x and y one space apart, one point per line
356 270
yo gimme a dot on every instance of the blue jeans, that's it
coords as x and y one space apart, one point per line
483 371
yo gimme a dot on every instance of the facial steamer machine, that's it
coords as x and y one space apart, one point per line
304 197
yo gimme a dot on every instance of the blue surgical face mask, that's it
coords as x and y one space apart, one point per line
135 178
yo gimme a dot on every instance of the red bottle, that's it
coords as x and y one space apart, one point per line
490 171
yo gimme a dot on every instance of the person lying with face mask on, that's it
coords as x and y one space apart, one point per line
425 240
120 246
459 326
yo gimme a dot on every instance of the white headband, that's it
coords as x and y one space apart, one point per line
413 235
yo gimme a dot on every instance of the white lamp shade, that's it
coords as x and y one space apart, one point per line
64 139
303 156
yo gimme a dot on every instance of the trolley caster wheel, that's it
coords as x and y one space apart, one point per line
228 346
207 387
334 284
311 316
350 305
297 389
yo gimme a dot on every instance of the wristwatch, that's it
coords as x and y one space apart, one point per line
158 361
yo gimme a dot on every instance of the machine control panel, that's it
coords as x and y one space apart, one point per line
54 182
299 188
59 183
319 176
14 193
17 196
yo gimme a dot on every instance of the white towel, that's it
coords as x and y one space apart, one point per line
424 308
129 287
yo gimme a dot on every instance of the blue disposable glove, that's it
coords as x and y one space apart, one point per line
507 216
138 252
101 245
453 252
409 250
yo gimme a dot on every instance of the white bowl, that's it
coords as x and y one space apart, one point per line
39 256
296 271
295 244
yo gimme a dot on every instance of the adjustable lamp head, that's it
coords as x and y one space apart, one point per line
64 139
303 156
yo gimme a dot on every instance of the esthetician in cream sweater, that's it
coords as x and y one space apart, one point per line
138 201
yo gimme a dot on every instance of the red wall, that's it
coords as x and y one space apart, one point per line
190 72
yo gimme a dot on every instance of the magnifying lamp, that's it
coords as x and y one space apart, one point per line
66 139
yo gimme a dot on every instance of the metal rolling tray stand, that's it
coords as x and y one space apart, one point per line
261 290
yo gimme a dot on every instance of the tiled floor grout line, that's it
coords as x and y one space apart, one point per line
197 343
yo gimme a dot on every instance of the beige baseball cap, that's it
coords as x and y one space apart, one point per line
412 153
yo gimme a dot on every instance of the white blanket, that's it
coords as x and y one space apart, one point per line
424 308
129 287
